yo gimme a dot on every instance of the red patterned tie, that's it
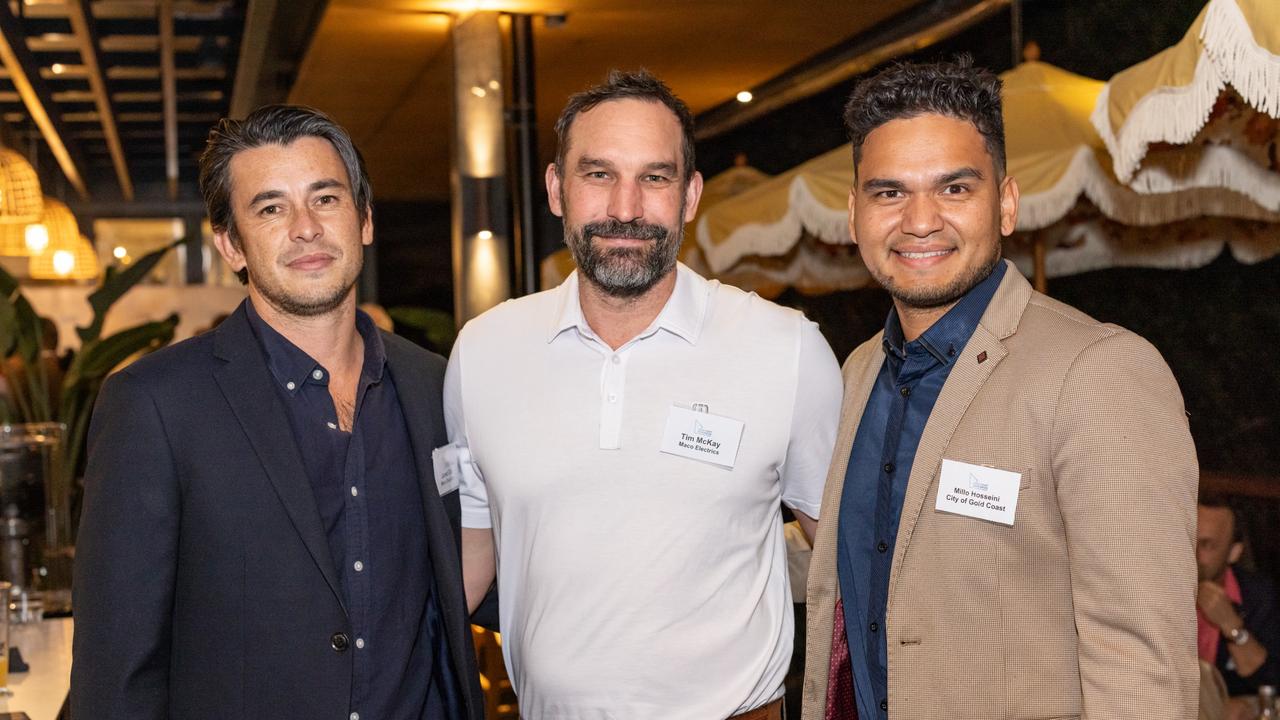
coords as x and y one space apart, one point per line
840 705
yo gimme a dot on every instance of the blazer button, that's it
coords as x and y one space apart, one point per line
339 641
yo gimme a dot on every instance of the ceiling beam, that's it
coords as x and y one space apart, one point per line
24 73
169 89
276 36
86 33
907 32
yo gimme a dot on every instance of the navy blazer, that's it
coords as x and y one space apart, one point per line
204 586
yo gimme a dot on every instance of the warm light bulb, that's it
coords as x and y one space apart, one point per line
58 68
485 234
745 96
64 261
37 238
478 91
119 252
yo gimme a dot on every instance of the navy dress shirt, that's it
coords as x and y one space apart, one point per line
876 481
366 488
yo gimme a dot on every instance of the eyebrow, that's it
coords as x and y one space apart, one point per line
585 163
323 184
964 173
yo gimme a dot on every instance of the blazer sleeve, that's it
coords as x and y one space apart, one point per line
1126 476
126 560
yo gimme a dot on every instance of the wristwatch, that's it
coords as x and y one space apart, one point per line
1239 635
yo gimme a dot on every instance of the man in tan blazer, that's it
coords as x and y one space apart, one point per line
1008 526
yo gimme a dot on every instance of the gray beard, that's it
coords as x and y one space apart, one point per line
624 272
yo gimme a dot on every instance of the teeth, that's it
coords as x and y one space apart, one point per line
922 255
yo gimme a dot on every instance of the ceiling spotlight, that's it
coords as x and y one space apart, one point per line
478 91
119 252
745 96
485 234
58 68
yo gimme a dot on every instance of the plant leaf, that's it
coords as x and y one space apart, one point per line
100 356
115 283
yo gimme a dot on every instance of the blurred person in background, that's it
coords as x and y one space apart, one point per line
1238 620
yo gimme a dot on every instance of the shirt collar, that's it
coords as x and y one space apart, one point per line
292 367
682 315
946 337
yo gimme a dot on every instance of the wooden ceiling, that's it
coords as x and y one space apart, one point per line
383 68
117 94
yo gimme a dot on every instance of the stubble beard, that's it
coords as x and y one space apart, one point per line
929 298
625 272
324 301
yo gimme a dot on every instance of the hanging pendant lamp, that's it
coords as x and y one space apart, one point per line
77 261
56 223
21 201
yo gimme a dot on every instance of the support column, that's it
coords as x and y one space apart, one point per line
480 203
528 173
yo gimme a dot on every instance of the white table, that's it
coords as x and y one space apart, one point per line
46 646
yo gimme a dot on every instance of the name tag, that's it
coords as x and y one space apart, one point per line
978 491
448 470
702 436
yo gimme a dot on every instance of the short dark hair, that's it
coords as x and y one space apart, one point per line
272 125
1223 501
955 89
621 85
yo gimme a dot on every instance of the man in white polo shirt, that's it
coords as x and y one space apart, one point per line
625 441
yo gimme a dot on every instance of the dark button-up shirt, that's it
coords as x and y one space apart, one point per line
367 490
875 485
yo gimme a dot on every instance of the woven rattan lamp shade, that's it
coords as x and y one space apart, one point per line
21 201
76 261
57 224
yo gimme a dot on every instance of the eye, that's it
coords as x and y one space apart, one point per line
270 210
955 189
327 199
888 194
598 175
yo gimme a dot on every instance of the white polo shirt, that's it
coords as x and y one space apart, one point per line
635 583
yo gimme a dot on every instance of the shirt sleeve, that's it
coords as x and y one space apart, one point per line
813 422
473 495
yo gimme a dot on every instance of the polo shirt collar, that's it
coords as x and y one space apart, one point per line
683 314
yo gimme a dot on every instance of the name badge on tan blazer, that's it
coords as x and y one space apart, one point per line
978 491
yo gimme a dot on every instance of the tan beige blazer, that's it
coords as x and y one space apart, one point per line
1086 606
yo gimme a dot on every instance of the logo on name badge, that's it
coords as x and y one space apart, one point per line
700 430
976 484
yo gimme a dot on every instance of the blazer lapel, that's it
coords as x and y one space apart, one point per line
859 377
980 357
249 389
413 383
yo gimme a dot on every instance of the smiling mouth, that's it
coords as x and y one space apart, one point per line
310 262
925 255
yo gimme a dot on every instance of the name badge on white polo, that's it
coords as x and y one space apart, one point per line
978 491
446 463
702 436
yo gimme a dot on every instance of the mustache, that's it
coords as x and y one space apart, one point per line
633 230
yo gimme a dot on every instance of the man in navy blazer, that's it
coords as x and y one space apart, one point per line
264 534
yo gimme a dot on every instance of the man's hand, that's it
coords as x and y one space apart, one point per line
1215 605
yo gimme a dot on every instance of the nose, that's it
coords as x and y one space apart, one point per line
920 216
626 202
305 227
